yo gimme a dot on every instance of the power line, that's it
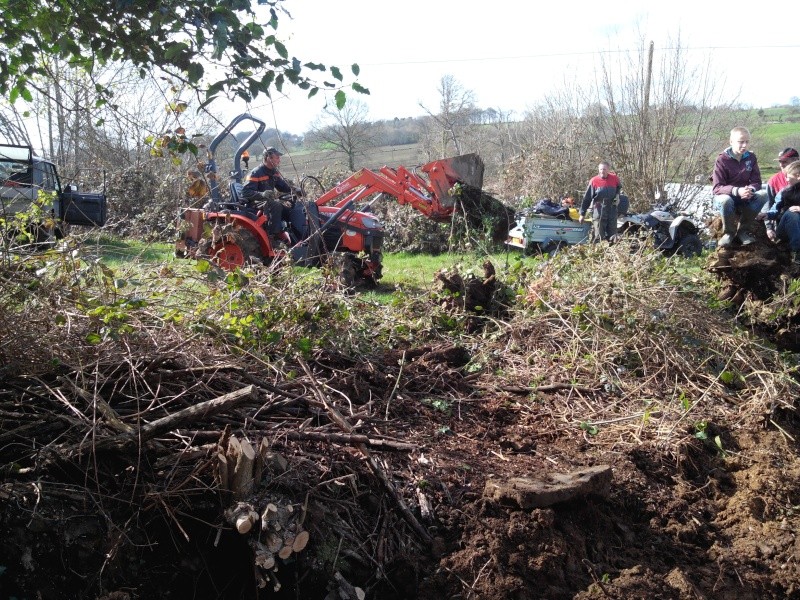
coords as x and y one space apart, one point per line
568 54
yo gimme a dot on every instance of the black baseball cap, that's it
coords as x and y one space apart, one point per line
788 154
272 150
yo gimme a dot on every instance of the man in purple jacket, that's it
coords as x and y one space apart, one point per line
737 189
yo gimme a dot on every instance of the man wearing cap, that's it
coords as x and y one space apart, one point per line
778 181
737 189
266 183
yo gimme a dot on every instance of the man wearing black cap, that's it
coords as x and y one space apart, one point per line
266 183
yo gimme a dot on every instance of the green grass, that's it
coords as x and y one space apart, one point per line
117 252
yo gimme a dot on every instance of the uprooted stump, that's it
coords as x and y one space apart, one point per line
756 279
483 211
471 293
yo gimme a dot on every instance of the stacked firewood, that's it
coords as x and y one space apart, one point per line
274 524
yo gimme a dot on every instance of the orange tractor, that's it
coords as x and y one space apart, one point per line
324 225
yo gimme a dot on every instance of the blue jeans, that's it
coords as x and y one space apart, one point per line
730 208
789 229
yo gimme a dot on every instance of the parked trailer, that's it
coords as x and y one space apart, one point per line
535 232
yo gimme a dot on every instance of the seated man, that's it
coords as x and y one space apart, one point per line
778 181
737 189
266 183
786 212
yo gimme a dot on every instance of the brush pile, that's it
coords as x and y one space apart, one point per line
261 433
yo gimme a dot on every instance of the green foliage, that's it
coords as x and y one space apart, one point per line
224 47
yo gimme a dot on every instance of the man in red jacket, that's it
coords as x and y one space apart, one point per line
601 195
778 181
737 189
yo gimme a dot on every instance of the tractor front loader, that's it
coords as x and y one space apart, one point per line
333 225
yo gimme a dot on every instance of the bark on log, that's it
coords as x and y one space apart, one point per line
188 415
224 472
352 439
243 471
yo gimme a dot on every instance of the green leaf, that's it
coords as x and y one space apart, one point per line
355 68
281 49
195 72
175 50
336 73
589 428
341 99
94 338
360 88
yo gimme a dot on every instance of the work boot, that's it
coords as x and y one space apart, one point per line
725 241
745 224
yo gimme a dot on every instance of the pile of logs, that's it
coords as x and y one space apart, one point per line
273 524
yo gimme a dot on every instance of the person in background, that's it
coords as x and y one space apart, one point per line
568 203
601 196
246 159
786 212
778 181
266 183
737 189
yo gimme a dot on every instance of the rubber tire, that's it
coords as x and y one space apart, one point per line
236 250
344 268
690 245
553 248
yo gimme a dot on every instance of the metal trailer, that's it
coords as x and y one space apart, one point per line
535 232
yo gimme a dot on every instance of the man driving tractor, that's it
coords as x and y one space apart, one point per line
266 183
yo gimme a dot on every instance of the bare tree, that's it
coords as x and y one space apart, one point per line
456 115
550 148
345 131
660 118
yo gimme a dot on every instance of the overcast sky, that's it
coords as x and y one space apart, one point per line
511 53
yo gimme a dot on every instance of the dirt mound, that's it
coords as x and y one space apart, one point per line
168 462
757 280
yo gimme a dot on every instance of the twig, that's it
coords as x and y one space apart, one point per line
396 384
337 418
159 426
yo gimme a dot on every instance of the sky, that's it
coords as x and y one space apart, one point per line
511 53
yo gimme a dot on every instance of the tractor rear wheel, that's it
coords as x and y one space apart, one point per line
236 249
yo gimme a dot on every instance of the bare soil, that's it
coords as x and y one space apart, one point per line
91 507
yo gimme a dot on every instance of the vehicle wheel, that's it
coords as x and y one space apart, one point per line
553 248
312 188
345 269
690 245
236 249
375 269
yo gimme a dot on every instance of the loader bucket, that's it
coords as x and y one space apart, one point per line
466 169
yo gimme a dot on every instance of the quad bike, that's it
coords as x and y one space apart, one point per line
324 226
671 233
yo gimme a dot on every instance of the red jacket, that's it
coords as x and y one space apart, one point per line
600 191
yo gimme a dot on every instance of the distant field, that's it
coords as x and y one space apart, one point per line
773 129
305 162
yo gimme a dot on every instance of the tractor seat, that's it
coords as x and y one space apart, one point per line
236 192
